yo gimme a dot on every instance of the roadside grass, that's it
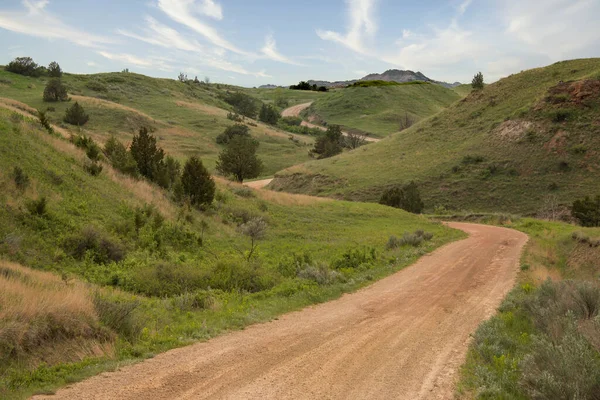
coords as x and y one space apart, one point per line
160 275
544 342
185 117
526 155
377 109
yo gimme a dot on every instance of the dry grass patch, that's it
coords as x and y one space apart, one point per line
210 110
40 312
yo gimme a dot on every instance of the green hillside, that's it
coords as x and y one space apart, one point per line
506 148
378 110
133 273
186 117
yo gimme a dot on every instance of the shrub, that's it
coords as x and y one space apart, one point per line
118 312
43 118
291 121
560 116
477 82
90 242
234 117
55 91
25 66
472 159
147 155
410 239
93 168
96 86
54 70
119 157
38 207
242 103
197 183
243 191
268 115
255 229
330 144
587 211
406 197
75 115
355 258
239 159
244 276
21 178
233 131
320 273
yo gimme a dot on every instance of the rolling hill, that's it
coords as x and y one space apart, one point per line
186 117
505 148
378 110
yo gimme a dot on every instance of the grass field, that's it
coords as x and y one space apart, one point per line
135 274
186 117
505 148
378 110
544 343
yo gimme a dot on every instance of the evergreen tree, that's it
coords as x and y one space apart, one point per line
146 154
119 157
54 70
55 91
330 144
239 159
197 183
268 115
233 131
75 115
477 82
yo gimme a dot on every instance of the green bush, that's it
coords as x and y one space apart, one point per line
355 258
587 211
96 86
233 131
291 121
54 70
406 197
320 273
91 243
197 183
25 66
269 115
75 115
55 91
241 276
119 157
472 159
21 178
38 207
243 104
118 312
93 168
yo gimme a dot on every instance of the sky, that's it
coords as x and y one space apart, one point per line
256 42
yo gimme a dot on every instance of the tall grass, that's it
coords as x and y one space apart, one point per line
40 310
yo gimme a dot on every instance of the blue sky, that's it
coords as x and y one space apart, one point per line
255 42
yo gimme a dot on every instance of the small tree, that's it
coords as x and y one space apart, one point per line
182 77
255 229
354 140
406 197
55 91
477 82
233 131
146 153
239 159
75 115
21 178
587 211
268 115
243 104
330 144
119 157
168 172
197 183
405 122
45 122
54 70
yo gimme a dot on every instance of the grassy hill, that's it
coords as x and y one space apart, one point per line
97 271
505 148
186 117
378 110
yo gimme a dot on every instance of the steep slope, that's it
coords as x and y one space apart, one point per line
507 147
186 117
379 110
137 274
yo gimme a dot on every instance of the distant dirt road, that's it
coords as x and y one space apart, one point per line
404 337
295 111
258 184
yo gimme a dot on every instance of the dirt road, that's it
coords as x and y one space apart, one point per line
295 111
403 337
258 184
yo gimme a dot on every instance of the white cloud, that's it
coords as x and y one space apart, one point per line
91 64
211 9
557 29
36 21
270 51
161 35
184 11
127 58
361 24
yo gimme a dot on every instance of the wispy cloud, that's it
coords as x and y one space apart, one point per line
270 51
211 9
36 20
127 58
361 24
185 11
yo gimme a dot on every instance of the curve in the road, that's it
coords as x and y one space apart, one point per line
295 111
403 337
